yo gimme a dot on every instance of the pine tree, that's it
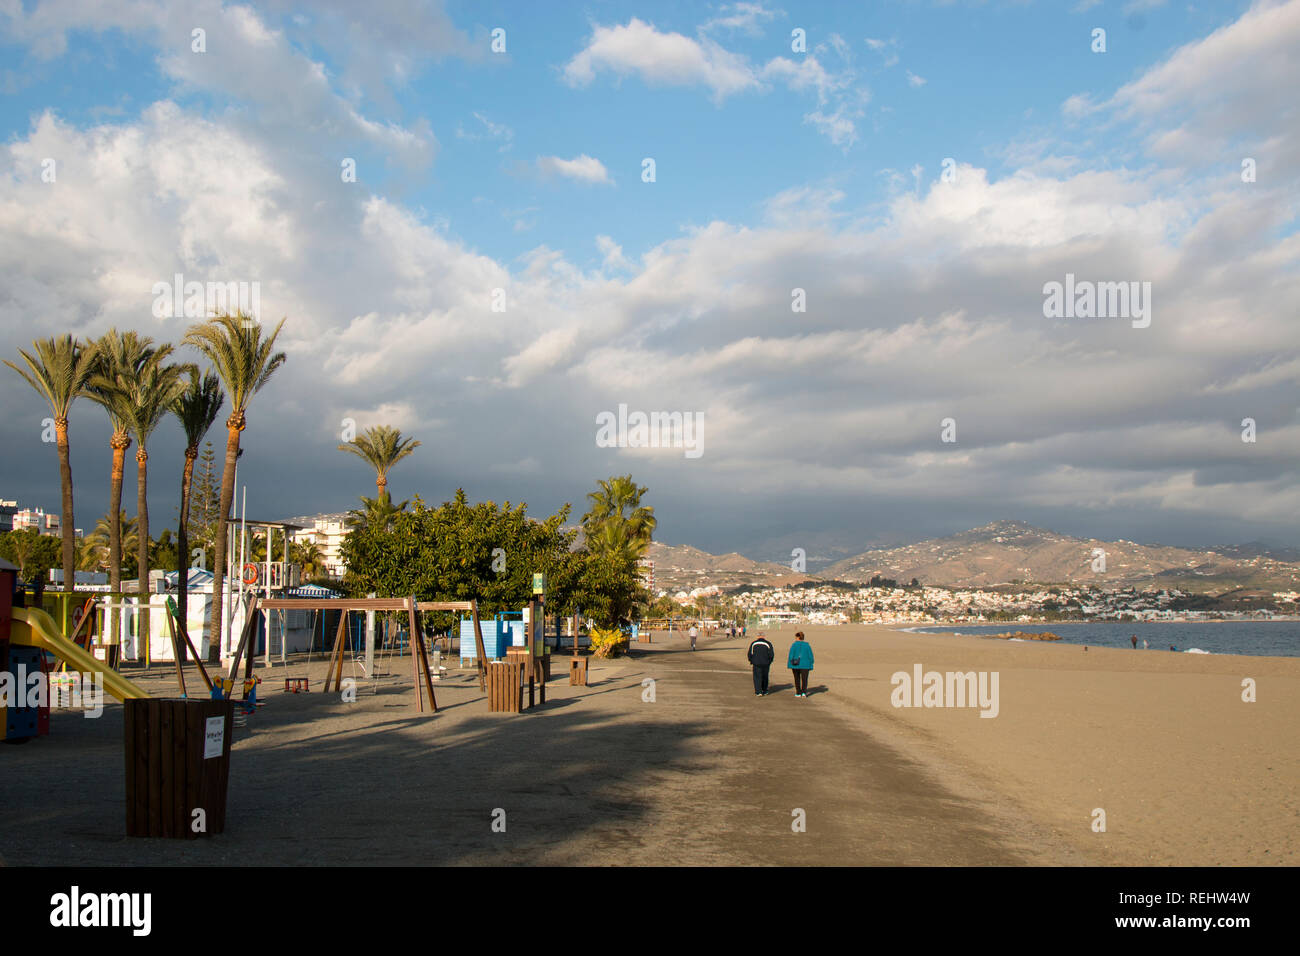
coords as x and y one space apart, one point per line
205 498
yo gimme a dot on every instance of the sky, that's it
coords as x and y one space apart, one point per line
823 234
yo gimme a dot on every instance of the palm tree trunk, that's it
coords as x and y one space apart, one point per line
115 526
183 548
234 424
381 483
115 514
69 522
142 539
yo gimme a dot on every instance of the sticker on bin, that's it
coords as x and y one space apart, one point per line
214 737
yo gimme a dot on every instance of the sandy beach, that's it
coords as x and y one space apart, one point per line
705 773
1186 772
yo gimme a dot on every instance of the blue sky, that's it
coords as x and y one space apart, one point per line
775 169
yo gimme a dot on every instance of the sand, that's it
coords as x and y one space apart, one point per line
706 773
1186 772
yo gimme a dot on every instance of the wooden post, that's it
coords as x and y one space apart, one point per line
417 649
336 656
250 622
203 671
176 651
479 649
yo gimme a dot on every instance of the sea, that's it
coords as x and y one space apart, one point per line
1254 638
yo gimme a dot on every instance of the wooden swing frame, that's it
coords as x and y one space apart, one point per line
420 672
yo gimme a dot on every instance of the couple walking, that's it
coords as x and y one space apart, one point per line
799 660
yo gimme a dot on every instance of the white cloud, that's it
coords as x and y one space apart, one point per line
932 308
584 168
742 17
668 59
914 80
487 129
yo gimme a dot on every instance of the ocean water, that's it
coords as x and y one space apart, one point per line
1256 638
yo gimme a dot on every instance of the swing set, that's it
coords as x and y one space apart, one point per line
420 669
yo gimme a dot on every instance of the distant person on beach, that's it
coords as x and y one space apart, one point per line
1172 648
695 632
800 662
1134 639
1146 645
761 653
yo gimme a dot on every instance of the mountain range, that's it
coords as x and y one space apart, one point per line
1001 553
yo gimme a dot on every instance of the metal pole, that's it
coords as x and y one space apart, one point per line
266 590
370 641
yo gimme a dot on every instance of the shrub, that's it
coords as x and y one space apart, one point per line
608 642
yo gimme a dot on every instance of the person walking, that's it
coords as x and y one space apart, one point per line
761 654
800 662
1146 645
695 632
1134 639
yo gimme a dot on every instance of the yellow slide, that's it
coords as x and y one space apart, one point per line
41 631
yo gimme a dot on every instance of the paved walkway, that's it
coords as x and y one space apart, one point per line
706 773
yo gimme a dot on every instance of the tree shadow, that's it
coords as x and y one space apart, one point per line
368 789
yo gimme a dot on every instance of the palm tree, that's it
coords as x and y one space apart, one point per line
245 361
95 547
148 396
618 501
24 549
196 408
378 513
121 356
59 371
382 446
309 557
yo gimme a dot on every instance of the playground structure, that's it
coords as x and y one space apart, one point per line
421 672
27 635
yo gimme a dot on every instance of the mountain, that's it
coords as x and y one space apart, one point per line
1006 552
682 568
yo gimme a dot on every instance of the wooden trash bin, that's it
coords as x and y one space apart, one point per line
577 672
505 686
177 762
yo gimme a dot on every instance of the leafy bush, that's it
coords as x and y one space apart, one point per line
608 642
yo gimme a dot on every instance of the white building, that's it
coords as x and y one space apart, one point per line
327 531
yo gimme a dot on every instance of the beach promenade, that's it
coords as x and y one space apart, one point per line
705 773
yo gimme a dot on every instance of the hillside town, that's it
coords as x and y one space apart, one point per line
887 602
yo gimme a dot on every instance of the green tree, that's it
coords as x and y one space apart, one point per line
96 546
33 552
382 446
148 396
196 408
617 501
244 360
617 531
120 358
59 371
378 513
309 557
459 551
205 500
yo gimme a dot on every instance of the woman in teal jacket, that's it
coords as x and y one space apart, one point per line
800 662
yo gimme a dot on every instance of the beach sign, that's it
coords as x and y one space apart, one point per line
539 583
